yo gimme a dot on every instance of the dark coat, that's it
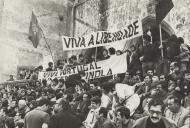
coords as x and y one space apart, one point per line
64 119
134 65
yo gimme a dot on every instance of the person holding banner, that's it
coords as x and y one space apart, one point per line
105 54
147 58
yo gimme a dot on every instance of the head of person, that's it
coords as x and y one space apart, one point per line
150 72
93 56
174 104
106 87
85 97
57 106
118 52
55 81
111 51
180 40
40 68
33 104
123 115
92 86
155 108
50 64
159 87
187 75
147 39
95 102
44 104
13 103
155 79
132 48
147 78
74 58
103 113
5 95
61 82
23 92
21 104
172 39
174 66
127 74
105 53
162 78
3 111
81 57
68 97
11 77
138 73
171 86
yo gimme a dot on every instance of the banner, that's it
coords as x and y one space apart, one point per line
103 38
111 66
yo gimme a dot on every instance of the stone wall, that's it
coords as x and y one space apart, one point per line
120 12
16 49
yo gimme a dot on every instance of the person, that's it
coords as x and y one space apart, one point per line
107 96
184 55
38 118
123 119
127 79
105 54
102 120
82 59
155 118
177 113
148 52
82 106
74 60
134 62
145 86
63 118
50 66
91 117
11 78
185 88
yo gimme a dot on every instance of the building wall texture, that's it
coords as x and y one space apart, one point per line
16 50
61 17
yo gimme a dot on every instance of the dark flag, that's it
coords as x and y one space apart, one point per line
163 7
35 33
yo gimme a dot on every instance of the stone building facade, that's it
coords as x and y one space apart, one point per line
75 18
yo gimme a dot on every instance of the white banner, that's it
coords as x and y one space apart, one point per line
103 38
111 66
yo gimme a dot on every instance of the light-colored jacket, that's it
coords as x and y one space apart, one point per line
182 118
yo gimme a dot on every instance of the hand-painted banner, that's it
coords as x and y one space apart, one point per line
111 66
103 38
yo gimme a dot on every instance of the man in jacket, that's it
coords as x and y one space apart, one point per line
63 118
155 118
177 113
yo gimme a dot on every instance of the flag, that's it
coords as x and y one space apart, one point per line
35 33
162 9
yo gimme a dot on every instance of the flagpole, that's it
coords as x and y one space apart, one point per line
96 54
47 45
160 29
44 37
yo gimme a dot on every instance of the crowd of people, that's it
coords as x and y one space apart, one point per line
156 84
